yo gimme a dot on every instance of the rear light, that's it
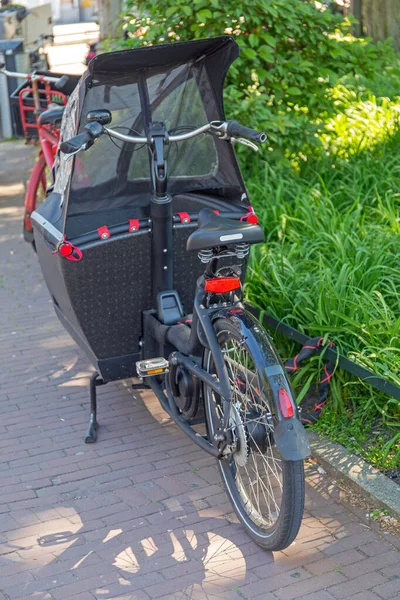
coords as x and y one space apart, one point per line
285 404
222 285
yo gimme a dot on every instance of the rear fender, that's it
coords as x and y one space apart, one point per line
290 436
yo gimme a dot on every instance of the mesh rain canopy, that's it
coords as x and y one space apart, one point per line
100 299
179 84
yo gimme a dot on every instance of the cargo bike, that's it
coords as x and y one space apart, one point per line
144 241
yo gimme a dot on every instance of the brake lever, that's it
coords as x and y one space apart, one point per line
244 142
71 154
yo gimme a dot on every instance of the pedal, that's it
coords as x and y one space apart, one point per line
152 366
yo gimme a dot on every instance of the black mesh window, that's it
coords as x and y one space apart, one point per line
174 99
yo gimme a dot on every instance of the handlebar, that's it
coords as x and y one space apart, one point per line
222 129
58 81
171 138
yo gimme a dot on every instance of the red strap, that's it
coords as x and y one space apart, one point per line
68 251
103 232
184 217
250 216
134 225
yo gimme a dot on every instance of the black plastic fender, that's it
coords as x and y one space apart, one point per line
290 436
291 439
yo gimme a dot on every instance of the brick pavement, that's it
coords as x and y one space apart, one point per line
123 519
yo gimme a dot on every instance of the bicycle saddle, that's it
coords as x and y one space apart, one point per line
53 115
214 230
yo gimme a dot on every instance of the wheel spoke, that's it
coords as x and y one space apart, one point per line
259 476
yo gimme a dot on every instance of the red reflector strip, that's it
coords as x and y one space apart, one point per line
285 404
134 225
221 285
184 217
103 232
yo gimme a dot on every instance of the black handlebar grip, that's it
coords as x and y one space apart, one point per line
83 140
61 82
235 129
76 143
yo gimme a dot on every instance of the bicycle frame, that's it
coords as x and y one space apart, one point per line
49 138
48 135
188 353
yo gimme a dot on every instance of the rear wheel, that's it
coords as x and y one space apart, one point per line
266 491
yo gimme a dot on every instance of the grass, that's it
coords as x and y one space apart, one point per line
330 263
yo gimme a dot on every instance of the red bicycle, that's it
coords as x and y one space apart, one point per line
41 105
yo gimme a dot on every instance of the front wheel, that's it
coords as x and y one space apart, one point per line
267 492
35 195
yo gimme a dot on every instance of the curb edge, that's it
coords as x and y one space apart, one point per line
367 480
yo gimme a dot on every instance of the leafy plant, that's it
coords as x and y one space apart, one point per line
292 55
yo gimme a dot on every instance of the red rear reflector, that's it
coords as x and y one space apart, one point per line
65 249
285 404
221 285
253 219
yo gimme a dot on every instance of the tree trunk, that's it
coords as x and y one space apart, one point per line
109 11
381 19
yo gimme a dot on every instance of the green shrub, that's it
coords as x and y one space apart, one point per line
292 55
329 263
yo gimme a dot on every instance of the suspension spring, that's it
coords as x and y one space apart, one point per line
206 255
242 250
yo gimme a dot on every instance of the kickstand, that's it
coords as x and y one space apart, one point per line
91 435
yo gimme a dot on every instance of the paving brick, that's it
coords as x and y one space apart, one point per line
356 585
320 595
390 589
392 572
371 564
275 582
376 547
352 541
313 584
336 562
366 595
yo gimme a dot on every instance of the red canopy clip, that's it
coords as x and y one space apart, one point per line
250 216
103 232
184 217
134 225
68 251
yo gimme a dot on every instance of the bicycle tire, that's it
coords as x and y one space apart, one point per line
280 534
